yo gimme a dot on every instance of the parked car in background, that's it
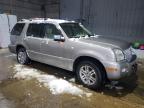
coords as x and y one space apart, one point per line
70 46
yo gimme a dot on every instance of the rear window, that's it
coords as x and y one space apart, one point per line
17 29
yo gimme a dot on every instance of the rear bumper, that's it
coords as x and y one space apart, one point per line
121 69
12 48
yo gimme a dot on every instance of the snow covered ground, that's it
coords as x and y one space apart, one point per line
56 85
4 103
139 53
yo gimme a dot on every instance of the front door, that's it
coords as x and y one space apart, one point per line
53 51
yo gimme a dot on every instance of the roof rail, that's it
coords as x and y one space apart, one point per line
44 20
31 19
24 20
39 18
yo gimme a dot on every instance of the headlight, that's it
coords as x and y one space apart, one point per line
119 54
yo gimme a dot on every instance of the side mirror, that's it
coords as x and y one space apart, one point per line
59 38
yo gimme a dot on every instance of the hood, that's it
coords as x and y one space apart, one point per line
106 42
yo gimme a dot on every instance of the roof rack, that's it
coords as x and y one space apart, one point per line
45 20
39 18
24 20
31 19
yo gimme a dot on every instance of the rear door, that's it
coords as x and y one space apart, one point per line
33 40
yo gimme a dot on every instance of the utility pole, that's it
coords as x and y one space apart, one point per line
81 10
59 7
89 11
11 6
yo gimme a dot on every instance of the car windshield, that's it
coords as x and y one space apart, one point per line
75 30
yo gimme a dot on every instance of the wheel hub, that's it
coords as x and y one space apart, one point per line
21 57
88 75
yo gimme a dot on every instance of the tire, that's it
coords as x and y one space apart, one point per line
89 74
22 56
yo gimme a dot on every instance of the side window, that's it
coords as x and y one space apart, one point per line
17 29
50 31
35 30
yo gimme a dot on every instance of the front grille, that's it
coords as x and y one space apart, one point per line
128 54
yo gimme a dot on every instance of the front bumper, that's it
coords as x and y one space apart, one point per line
121 69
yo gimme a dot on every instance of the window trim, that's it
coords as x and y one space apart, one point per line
42 37
56 28
20 31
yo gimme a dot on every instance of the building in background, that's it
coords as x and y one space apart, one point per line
30 8
117 18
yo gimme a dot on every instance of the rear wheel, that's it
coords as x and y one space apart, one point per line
22 56
89 74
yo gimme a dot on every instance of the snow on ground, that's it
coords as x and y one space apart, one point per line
4 103
56 85
11 55
139 53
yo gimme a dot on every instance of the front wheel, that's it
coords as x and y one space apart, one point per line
22 56
89 74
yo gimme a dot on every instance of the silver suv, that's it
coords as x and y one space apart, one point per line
70 46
